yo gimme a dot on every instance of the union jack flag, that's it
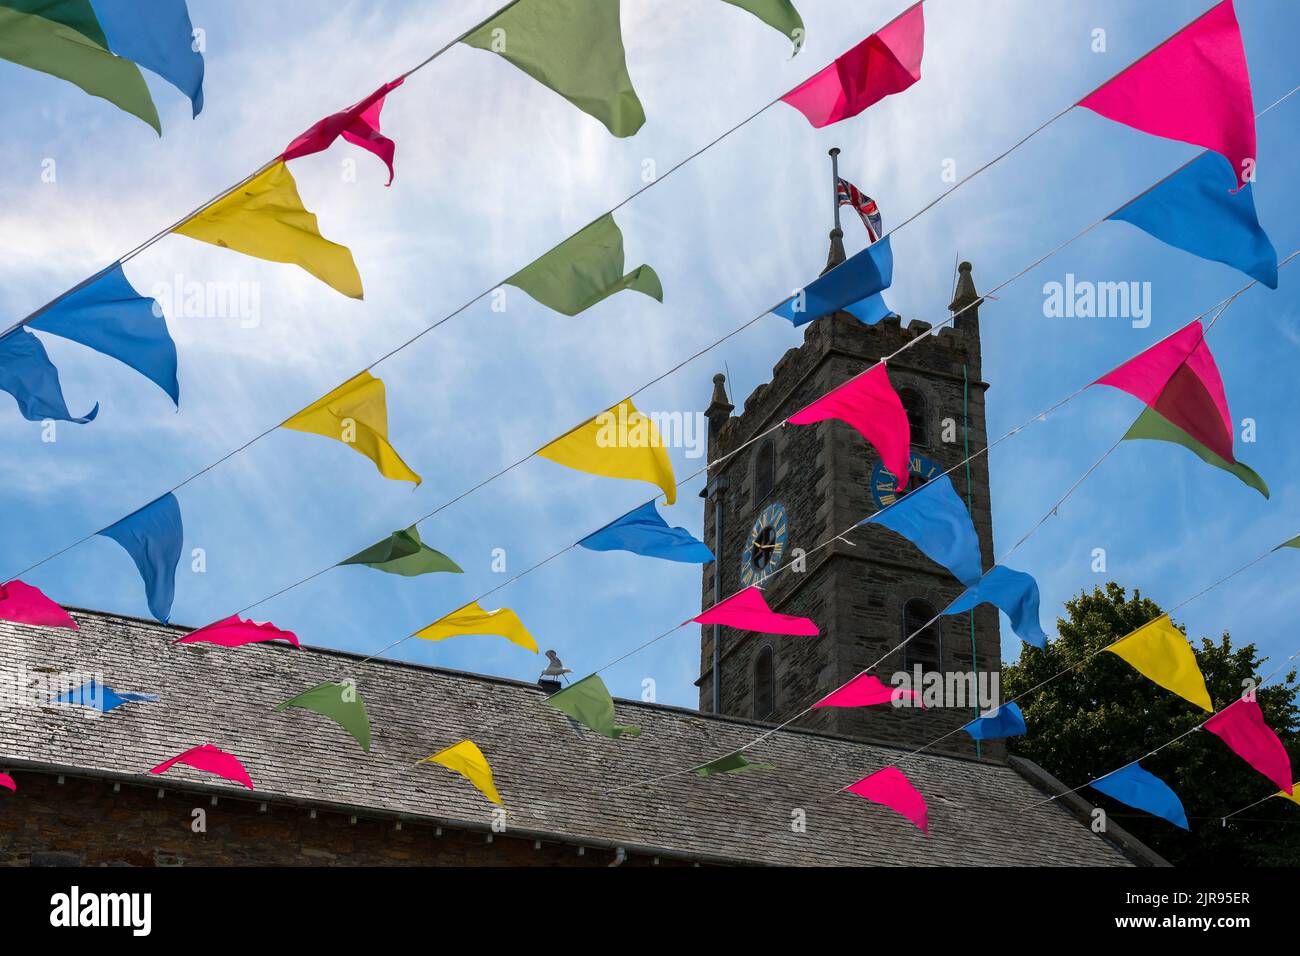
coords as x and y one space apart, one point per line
848 194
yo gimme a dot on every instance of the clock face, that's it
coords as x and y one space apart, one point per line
766 547
884 486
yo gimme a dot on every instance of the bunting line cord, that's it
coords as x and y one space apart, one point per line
739 448
226 192
261 169
1223 304
486 292
718 461
913 753
1186 733
1220 307
1251 806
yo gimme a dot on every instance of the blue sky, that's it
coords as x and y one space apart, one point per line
492 170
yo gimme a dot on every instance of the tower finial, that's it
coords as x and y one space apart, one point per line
720 408
965 305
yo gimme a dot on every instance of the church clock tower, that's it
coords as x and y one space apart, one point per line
779 498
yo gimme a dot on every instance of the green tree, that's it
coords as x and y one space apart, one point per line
1101 714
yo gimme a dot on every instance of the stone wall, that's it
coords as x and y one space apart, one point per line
855 592
84 822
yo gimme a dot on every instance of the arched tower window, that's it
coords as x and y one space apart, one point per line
764 470
926 648
764 684
917 417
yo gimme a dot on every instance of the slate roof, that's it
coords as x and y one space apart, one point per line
551 774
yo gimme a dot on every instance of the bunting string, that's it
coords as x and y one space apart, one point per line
1218 309
1221 306
137 250
922 749
465 758
1168 743
951 318
258 437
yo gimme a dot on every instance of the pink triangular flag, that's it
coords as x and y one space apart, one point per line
891 788
1194 88
24 604
358 124
1241 726
865 691
210 759
234 631
1179 379
748 611
870 404
888 61
7 782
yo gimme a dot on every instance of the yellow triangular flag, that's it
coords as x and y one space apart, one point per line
1160 653
618 443
265 218
472 619
356 413
468 761
1293 796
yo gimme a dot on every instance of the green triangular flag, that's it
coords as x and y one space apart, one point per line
1293 543
63 50
78 14
573 46
1155 427
588 702
341 703
731 763
584 269
778 14
403 553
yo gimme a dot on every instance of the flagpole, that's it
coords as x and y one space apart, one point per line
836 254
835 186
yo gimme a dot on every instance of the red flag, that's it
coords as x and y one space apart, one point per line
1178 378
747 611
870 404
1194 87
866 691
358 124
24 604
210 759
892 788
236 632
1241 726
888 61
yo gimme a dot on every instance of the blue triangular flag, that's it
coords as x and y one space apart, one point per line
1137 788
27 374
866 274
935 519
111 317
102 697
1016 593
152 536
870 310
1004 721
157 35
644 531
1196 211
